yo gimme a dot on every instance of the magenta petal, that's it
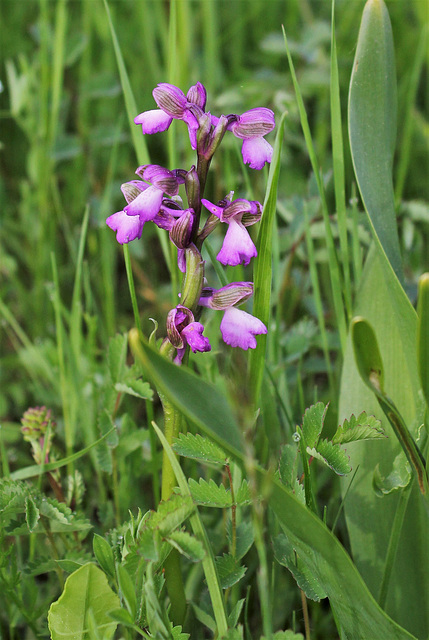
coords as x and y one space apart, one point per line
170 99
193 336
256 152
213 208
154 121
197 94
127 227
146 205
239 328
237 246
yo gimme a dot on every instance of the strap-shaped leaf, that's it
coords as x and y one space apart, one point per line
372 125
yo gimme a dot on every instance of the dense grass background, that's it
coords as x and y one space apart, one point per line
66 148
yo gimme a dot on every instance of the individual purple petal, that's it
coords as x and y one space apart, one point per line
193 125
146 205
127 227
239 328
170 99
181 260
153 121
197 94
237 246
160 177
132 189
256 152
254 123
193 336
215 209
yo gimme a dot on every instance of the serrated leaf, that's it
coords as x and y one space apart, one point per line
242 495
171 514
209 493
85 590
199 448
147 545
286 556
32 513
116 356
104 555
398 478
122 616
361 428
136 388
233 634
332 455
312 423
229 569
178 634
187 545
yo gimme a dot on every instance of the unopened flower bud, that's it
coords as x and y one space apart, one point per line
35 422
192 186
197 95
193 283
170 99
181 231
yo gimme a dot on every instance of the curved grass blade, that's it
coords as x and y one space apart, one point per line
263 267
37 469
423 334
372 126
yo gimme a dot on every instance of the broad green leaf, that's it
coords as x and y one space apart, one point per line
104 555
357 611
187 545
312 423
398 478
361 428
116 356
332 455
423 334
245 536
262 271
230 570
84 591
32 513
199 448
383 303
285 555
372 125
208 408
369 362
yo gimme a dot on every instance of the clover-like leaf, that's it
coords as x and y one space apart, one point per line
199 448
361 428
312 423
332 455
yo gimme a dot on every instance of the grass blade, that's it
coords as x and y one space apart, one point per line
263 267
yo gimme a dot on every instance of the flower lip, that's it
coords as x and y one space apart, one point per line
128 228
153 121
239 328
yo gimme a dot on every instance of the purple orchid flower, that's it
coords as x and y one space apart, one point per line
173 104
183 331
238 327
251 127
237 246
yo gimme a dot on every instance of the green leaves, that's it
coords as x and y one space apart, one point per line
85 602
199 448
286 556
372 125
361 428
209 494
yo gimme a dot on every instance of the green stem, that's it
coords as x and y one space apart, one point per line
131 287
